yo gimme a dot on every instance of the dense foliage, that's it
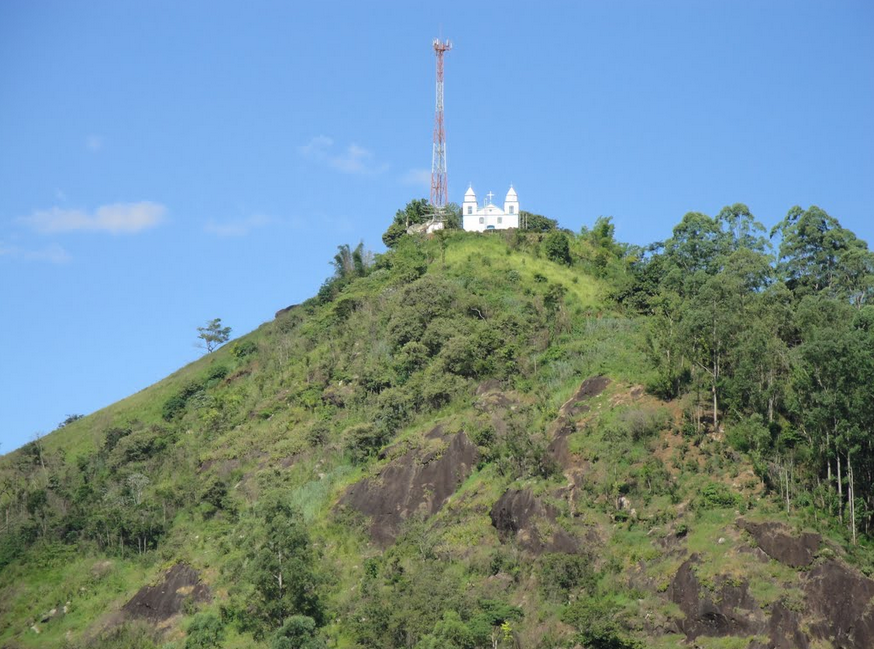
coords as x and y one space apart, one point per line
236 463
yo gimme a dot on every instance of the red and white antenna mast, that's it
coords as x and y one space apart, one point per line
439 183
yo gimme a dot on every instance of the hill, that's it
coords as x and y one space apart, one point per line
509 440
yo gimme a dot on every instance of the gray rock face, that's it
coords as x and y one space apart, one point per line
516 516
166 598
412 483
776 541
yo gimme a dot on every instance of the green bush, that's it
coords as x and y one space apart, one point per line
244 348
175 405
317 433
749 435
216 373
715 495
597 624
363 441
564 574
297 632
113 435
206 631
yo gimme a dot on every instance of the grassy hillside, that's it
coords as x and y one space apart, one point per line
460 446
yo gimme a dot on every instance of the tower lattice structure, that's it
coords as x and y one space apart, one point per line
439 179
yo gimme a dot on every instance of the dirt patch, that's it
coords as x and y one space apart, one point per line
167 598
521 516
774 539
727 611
839 598
416 482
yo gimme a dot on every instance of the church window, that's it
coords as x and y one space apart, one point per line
470 209
512 209
500 219
482 219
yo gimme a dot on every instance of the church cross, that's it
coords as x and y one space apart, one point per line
490 195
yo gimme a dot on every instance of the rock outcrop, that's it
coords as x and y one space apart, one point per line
519 515
840 600
413 483
775 540
167 598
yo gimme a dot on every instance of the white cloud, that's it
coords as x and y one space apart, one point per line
418 177
117 218
353 159
239 227
53 253
94 143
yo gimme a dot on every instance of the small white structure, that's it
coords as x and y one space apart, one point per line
489 216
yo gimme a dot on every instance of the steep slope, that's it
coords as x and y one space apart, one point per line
453 449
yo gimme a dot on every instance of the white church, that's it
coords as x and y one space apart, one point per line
489 216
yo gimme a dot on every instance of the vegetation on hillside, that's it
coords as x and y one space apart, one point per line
237 464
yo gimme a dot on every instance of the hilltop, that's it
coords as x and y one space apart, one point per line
524 439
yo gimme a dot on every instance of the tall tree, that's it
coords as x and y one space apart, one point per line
282 565
817 255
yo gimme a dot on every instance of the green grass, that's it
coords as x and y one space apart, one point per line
251 429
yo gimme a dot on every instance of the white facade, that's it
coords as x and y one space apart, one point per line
476 218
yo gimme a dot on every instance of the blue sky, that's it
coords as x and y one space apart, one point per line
165 163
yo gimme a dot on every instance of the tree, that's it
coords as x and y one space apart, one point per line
213 335
536 222
281 566
416 211
350 263
206 631
556 247
70 419
297 632
817 255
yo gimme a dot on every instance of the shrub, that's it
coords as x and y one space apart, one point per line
215 494
245 348
206 631
363 440
216 373
749 434
113 436
645 422
317 433
562 574
297 632
597 625
140 446
715 495
175 405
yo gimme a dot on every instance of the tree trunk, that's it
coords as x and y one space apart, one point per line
851 489
840 492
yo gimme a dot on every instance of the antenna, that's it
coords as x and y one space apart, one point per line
439 180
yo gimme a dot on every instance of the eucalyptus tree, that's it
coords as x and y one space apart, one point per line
817 255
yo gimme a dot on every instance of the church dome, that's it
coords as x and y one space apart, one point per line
469 193
511 195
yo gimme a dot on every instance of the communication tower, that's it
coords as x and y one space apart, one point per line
439 184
